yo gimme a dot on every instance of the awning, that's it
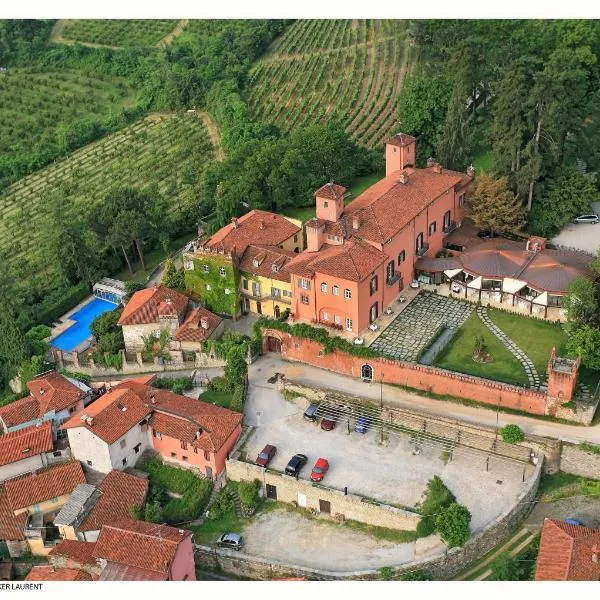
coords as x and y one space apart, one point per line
436 265
452 272
512 286
475 284
542 299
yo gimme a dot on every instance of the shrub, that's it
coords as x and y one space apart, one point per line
512 434
248 491
36 336
219 384
75 375
506 568
237 399
453 524
415 576
178 385
222 505
386 573
131 287
437 497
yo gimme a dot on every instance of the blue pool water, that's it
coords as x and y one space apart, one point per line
80 331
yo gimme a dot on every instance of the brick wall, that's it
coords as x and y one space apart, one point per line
575 460
421 377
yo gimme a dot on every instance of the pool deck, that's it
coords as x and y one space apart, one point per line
66 320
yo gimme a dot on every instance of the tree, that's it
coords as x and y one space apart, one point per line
453 524
493 206
36 337
584 341
437 497
455 141
506 568
13 345
581 301
236 368
512 434
172 277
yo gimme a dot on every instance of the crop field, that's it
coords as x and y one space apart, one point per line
168 151
118 32
349 71
34 104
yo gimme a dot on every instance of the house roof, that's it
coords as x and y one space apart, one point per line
117 572
401 139
12 527
79 552
83 497
257 225
114 413
23 443
118 492
49 573
43 485
331 191
20 411
139 544
568 553
146 305
191 329
53 391
266 257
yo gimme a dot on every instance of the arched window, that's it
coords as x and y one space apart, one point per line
366 373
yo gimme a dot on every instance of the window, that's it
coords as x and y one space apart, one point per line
89 463
275 268
173 455
124 462
296 238
157 434
222 271
336 319
275 292
206 455
157 334
401 256
348 324
255 262
324 288
304 299
208 287
419 243
305 284
325 204
461 199
432 228
184 458
335 290
195 450
287 293
373 285
325 316
205 268
447 217
389 271
245 284
136 448
71 410
123 443
184 445
347 294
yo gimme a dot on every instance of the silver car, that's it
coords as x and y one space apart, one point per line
591 219
231 540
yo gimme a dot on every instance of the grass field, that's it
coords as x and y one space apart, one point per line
164 150
35 104
349 71
118 32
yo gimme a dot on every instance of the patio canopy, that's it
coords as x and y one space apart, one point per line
475 284
542 299
452 272
512 286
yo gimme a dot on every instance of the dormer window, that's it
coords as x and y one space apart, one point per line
275 268
255 263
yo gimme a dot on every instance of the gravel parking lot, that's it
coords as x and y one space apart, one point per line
390 473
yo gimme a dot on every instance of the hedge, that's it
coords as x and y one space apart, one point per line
437 497
58 302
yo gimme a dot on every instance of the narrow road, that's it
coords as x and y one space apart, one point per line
403 399
181 25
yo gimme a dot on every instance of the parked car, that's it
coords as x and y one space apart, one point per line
266 456
230 540
456 287
295 465
361 425
592 219
318 472
310 414
328 423
574 522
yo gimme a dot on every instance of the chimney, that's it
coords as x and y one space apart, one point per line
84 417
169 301
235 223
403 177
204 322
355 222
89 420
430 161
437 168
262 224
471 171
42 390
198 434
595 554
153 399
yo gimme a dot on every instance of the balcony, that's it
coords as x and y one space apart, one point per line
450 227
395 278
423 250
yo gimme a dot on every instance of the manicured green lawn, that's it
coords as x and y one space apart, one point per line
457 356
210 530
483 162
222 399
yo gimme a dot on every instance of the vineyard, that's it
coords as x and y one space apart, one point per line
117 32
347 71
164 150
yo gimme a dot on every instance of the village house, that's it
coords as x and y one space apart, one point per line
74 554
50 573
241 267
133 417
29 504
568 552
52 397
25 450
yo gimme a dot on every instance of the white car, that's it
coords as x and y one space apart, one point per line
414 283
373 327
591 219
456 287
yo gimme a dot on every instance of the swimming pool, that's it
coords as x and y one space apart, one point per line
80 331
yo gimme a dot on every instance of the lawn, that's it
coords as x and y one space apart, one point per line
457 356
564 485
222 399
210 530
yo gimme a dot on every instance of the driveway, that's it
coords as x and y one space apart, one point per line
392 473
580 236
318 543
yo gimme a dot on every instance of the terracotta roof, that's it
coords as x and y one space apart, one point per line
26 442
146 305
12 527
139 544
20 411
436 265
119 491
43 485
79 552
464 178
257 225
53 391
331 191
118 572
191 329
114 413
267 256
353 261
401 139
568 553
49 573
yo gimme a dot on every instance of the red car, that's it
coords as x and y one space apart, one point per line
321 467
328 423
265 457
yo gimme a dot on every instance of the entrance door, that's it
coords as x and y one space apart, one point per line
271 491
208 472
374 312
325 506
366 373
277 311
259 308
273 344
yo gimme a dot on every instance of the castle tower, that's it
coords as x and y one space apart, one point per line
400 152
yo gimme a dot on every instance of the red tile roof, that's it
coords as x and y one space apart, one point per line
401 139
191 329
12 527
120 491
20 411
43 485
117 572
76 551
331 191
49 573
139 544
146 305
114 413
255 226
267 256
53 391
568 553
25 442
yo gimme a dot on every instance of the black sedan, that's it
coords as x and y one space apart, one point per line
295 465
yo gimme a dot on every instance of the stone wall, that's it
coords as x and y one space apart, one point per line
577 461
310 495
443 567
